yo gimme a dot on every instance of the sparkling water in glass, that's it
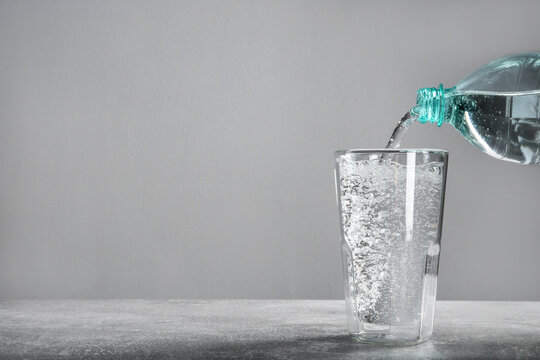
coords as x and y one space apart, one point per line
390 207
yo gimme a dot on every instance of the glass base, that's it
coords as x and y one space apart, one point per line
388 339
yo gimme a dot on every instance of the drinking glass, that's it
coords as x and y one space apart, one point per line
390 209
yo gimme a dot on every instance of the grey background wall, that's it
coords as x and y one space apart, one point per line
184 149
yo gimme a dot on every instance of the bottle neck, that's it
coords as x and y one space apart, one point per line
430 105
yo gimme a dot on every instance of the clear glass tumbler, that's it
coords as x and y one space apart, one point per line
390 209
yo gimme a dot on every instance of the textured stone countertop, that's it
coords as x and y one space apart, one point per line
245 329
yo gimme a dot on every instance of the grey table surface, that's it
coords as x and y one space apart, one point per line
251 329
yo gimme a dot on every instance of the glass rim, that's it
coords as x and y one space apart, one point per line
392 151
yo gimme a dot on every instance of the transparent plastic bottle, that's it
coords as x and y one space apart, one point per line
496 108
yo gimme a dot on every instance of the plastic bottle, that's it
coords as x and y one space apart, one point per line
496 108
